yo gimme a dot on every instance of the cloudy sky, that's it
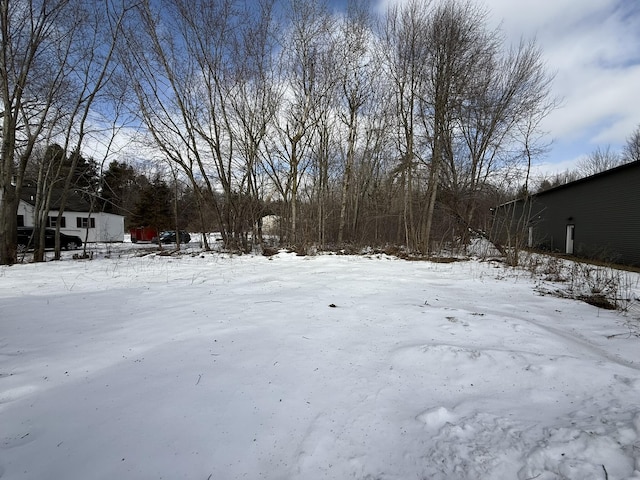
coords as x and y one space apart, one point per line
593 47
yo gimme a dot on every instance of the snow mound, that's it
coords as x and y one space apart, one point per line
436 418
602 446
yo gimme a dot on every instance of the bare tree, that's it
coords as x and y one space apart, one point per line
600 160
31 79
56 61
254 101
457 44
374 218
179 62
308 36
356 87
512 226
499 124
99 30
404 49
631 151
207 32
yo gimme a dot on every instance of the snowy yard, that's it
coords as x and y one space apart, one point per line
212 367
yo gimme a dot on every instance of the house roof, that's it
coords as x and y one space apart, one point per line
75 202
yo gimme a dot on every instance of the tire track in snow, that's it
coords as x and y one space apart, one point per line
579 340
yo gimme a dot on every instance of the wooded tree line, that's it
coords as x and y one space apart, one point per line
353 127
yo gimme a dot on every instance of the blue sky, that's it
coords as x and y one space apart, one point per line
593 47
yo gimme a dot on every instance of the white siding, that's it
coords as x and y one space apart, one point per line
108 227
26 210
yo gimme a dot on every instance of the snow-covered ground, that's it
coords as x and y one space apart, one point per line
208 366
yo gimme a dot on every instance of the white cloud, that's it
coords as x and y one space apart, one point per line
592 46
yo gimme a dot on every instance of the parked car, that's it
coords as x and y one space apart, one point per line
170 237
27 242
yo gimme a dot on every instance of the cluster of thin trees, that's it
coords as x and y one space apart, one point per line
350 126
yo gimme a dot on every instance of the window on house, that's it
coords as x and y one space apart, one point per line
84 222
21 220
53 221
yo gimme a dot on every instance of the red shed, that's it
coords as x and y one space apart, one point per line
143 234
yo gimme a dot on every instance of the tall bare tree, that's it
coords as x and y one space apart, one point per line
254 100
99 30
177 59
307 37
457 42
508 97
511 227
404 49
356 86
31 82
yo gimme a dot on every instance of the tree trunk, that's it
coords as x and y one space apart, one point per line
8 224
346 182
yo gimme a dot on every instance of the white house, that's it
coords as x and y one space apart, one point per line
77 219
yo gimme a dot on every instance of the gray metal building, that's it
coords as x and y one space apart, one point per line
594 217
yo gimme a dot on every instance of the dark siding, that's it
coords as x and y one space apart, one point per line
605 210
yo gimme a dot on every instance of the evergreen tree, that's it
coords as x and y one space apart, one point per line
120 190
153 208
